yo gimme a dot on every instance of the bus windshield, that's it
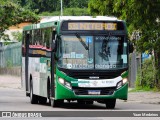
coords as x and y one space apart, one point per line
103 52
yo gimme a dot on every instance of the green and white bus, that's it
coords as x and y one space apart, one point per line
81 59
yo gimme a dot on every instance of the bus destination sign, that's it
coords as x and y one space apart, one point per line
91 26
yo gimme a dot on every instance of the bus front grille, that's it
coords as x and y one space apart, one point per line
85 91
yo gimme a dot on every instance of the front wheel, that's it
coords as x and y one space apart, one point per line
110 103
89 102
80 102
56 103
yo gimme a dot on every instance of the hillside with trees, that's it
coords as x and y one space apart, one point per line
13 12
52 7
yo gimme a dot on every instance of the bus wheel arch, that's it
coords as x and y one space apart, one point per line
42 100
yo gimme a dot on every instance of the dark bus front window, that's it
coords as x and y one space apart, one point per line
110 52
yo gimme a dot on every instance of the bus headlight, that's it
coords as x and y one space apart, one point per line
61 80
124 80
65 83
119 84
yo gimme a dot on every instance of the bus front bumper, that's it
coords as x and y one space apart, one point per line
65 93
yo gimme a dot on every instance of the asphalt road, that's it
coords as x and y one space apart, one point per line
15 100
12 98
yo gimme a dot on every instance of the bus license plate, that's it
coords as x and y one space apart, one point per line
94 92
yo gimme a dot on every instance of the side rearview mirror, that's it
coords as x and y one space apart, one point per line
53 45
130 47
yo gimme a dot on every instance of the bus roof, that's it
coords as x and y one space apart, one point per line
51 20
60 18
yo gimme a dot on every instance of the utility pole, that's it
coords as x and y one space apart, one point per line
136 60
136 35
61 8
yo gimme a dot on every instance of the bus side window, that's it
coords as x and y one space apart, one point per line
34 38
30 41
38 37
47 37
43 37
23 44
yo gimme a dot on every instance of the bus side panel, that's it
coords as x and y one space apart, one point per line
23 73
38 71
43 76
34 67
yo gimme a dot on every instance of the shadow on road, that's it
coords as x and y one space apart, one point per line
76 106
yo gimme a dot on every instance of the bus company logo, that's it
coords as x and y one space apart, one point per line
6 114
95 83
94 77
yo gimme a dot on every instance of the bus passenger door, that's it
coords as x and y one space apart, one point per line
53 47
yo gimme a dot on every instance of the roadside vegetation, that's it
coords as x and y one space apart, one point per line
142 17
146 78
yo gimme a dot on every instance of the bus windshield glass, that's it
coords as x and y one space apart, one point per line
103 52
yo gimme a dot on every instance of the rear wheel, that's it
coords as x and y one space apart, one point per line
110 103
42 100
33 98
56 103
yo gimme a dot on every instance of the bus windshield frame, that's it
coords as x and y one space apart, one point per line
84 36
104 52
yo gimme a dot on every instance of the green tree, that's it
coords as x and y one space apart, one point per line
101 7
52 5
141 15
75 3
41 5
17 36
68 12
13 14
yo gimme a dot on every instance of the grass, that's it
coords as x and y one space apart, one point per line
143 89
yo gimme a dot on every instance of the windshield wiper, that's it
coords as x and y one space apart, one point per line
82 42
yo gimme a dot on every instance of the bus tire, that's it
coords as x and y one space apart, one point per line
89 102
49 91
33 98
42 100
56 103
110 103
80 102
